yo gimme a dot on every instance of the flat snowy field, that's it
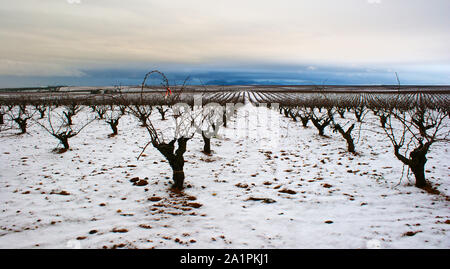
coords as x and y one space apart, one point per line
322 197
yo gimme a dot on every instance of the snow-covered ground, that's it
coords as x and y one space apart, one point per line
316 195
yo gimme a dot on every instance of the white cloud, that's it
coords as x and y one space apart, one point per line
39 68
74 1
111 33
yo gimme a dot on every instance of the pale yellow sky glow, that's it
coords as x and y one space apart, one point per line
63 37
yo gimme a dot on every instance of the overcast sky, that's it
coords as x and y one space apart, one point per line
87 42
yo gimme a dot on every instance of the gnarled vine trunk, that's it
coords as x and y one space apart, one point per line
22 125
175 159
416 162
320 126
347 136
206 144
304 120
65 142
113 124
224 118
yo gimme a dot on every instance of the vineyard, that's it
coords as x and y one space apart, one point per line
212 168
